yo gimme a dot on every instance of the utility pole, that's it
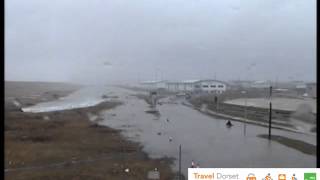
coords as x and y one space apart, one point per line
180 162
270 112
245 111
216 103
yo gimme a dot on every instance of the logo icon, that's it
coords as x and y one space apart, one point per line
251 176
281 177
268 177
310 176
294 177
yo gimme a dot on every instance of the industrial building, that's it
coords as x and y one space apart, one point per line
194 86
152 85
184 86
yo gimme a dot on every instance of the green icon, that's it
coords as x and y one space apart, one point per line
310 176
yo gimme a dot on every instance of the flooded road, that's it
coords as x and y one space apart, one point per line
204 139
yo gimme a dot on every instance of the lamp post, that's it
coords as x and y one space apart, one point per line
245 112
180 162
270 111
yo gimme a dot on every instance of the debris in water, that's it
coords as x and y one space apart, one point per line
92 117
229 124
16 103
159 133
127 170
155 174
46 118
152 111
170 139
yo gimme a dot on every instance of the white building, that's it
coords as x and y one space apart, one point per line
189 85
301 86
184 86
173 86
206 86
154 85
210 86
261 84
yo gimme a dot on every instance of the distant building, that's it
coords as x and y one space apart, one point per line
210 86
152 85
206 86
185 86
312 90
261 84
300 88
236 85
173 86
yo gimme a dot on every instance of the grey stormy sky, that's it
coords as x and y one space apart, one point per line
125 40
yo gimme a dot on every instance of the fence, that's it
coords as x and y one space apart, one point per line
253 113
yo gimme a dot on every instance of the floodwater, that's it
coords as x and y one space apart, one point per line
204 139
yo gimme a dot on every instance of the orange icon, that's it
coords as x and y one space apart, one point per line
281 177
251 177
268 177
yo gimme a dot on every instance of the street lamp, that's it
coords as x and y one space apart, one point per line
245 111
270 111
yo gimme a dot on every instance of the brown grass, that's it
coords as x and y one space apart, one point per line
85 149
